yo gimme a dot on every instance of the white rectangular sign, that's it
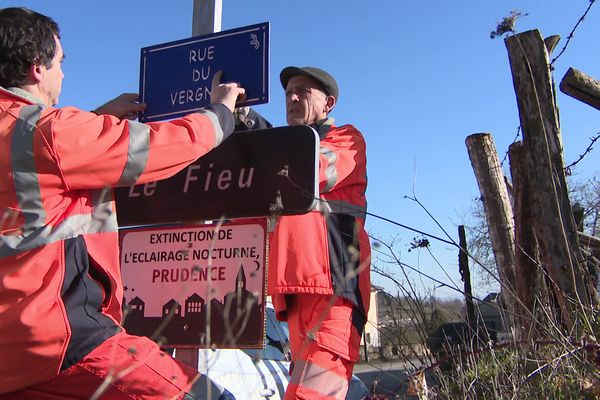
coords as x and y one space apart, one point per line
180 272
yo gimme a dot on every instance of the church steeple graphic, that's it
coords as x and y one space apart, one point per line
240 281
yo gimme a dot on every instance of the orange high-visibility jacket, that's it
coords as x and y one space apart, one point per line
327 250
60 284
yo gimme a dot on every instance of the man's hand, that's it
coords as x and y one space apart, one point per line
225 93
125 106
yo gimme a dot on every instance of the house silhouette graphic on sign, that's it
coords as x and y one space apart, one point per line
227 323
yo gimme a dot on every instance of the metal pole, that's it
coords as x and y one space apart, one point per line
365 346
207 17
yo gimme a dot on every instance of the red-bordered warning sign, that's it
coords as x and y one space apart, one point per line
196 285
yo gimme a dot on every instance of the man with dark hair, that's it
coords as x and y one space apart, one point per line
60 285
319 262
33 43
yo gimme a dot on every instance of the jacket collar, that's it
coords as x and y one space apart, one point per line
23 94
323 126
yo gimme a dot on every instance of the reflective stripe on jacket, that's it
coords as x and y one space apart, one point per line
60 284
327 250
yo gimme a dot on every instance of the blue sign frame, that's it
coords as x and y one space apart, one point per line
176 77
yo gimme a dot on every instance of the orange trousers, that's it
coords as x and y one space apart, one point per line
125 367
324 341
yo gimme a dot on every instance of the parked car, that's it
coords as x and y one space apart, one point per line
259 374
455 339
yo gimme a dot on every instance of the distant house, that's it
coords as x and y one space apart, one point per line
385 313
372 326
491 311
388 315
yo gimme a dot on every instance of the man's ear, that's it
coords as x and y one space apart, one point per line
329 103
36 73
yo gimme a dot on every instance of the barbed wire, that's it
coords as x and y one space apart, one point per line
455 288
421 273
567 169
429 235
449 241
513 141
572 33
582 156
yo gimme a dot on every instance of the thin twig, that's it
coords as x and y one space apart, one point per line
546 365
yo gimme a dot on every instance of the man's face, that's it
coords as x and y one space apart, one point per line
52 77
305 102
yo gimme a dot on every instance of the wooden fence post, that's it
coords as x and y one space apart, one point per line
528 268
465 274
553 219
498 210
581 87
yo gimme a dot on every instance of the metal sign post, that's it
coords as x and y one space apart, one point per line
206 19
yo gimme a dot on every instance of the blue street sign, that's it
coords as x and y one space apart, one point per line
175 77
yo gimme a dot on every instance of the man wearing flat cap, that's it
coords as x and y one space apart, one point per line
319 262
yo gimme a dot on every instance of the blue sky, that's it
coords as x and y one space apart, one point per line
415 77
